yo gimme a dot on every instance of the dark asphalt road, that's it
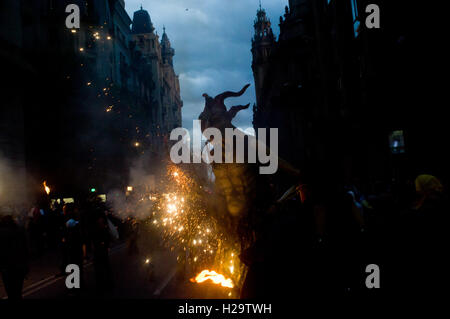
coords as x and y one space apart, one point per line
132 280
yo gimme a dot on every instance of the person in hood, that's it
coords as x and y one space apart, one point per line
13 256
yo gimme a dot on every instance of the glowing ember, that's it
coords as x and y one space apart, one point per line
46 188
214 277
179 214
232 269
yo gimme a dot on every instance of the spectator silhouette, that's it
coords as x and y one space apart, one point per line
13 256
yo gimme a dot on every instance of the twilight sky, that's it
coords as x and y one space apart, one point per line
212 42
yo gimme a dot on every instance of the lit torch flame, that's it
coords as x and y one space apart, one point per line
47 189
214 277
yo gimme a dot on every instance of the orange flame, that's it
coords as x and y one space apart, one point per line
46 188
214 277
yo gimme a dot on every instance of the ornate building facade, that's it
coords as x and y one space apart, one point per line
104 95
166 113
341 93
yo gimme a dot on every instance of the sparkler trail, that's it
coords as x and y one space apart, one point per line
188 225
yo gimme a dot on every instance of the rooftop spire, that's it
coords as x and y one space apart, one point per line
263 27
142 22
166 49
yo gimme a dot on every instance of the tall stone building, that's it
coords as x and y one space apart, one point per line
262 46
346 98
86 103
166 113
285 75
14 65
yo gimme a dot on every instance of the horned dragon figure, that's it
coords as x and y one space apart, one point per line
236 181
245 194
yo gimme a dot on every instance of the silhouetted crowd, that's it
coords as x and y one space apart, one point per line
75 232
318 240
307 241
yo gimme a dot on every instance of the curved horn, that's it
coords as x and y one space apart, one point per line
227 94
235 109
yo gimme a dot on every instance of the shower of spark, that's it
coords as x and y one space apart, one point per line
190 227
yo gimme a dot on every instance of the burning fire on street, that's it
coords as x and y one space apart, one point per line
213 276
180 215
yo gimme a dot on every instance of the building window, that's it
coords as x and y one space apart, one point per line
397 142
356 22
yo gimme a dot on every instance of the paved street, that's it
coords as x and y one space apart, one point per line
132 279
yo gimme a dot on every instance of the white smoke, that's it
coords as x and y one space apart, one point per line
143 179
13 191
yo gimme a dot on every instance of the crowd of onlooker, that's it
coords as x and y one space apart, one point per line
324 242
313 243
72 231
